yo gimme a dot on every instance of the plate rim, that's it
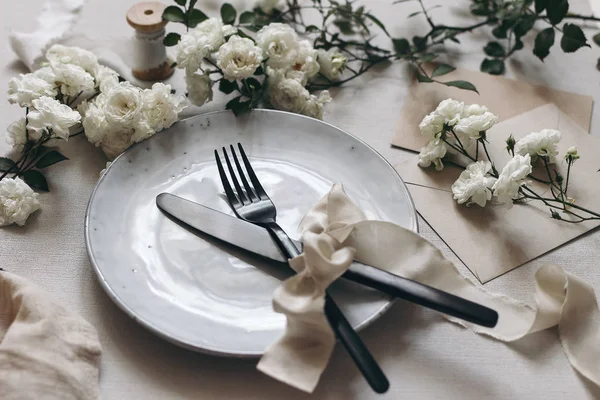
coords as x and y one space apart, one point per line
183 343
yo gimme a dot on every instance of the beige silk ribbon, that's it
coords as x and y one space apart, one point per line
335 231
46 352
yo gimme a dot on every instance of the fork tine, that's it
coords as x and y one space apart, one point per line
231 197
249 190
257 186
238 188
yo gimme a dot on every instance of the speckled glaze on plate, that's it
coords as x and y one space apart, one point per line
207 297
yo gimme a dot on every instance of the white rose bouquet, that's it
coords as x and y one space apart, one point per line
274 69
69 95
457 131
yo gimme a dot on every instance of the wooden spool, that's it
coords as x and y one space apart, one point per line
146 19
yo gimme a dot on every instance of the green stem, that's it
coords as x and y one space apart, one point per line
494 170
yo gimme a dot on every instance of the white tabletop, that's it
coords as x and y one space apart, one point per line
423 355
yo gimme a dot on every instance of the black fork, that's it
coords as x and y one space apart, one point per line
252 204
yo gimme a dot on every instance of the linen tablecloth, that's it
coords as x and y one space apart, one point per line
424 356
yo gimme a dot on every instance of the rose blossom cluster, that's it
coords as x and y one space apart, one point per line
456 128
289 63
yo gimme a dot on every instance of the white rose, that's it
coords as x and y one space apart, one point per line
72 55
279 43
25 88
331 63
72 78
48 113
472 126
199 88
474 185
306 59
539 144
161 108
511 178
106 78
451 110
94 120
17 201
116 142
267 5
431 125
211 33
239 58
17 135
473 109
433 152
46 74
190 51
288 95
123 106
314 105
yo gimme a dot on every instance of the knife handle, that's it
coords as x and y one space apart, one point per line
354 345
424 295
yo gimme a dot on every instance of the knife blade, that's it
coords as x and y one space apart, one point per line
256 240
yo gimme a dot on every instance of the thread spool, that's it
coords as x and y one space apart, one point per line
150 61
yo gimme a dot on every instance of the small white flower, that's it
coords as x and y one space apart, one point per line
239 58
106 78
306 59
431 125
123 107
572 154
72 78
17 135
24 89
451 110
267 6
94 120
473 109
288 95
228 30
190 51
72 55
199 88
17 201
211 33
314 105
539 144
116 142
433 152
48 113
474 185
472 126
161 108
46 74
511 178
279 43
331 62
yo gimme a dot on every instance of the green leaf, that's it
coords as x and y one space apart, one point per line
518 44
228 13
241 33
247 18
557 10
494 49
540 5
428 57
259 70
500 32
543 41
312 28
573 38
423 78
174 65
192 4
414 14
442 69
237 106
50 158
597 39
524 25
401 46
344 26
252 84
181 2
493 67
6 164
171 39
378 23
420 42
173 14
195 17
462 85
480 12
228 87
35 179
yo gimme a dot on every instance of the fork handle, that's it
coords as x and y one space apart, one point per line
346 334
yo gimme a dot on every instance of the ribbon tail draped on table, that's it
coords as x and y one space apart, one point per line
335 229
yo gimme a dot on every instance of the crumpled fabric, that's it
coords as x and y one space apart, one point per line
46 352
335 231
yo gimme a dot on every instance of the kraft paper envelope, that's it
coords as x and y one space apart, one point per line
494 240
504 97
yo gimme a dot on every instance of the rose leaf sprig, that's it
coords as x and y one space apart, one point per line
459 130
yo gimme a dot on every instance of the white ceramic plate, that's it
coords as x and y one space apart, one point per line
204 297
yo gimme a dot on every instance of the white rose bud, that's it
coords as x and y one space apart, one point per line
332 63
